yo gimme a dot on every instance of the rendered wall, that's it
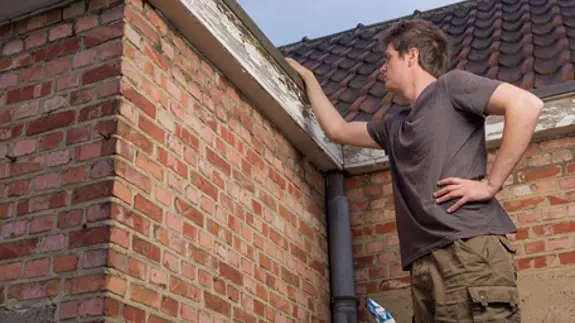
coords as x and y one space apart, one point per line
137 184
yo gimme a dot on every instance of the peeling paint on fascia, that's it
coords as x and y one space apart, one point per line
557 113
224 25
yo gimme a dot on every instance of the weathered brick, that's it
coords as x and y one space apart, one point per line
103 34
65 263
50 122
101 73
29 92
60 31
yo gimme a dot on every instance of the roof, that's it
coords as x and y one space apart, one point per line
529 43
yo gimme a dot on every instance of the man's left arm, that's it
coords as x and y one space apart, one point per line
521 110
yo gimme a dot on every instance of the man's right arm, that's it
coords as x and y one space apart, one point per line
336 128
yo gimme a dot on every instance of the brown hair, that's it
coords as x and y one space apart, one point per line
428 38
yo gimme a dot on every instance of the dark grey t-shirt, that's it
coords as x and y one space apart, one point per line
442 135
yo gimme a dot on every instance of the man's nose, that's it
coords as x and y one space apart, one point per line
383 68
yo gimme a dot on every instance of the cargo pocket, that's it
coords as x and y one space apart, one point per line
507 245
495 304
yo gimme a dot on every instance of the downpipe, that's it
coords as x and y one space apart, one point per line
343 298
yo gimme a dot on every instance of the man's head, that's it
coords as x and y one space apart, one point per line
413 47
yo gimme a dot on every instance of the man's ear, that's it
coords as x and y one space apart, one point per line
413 56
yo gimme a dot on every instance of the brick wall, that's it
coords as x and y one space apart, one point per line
137 184
539 195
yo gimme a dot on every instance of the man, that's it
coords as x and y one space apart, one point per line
451 228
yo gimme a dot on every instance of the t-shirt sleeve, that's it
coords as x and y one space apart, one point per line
470 93
378 130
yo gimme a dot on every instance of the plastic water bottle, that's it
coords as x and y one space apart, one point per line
380 314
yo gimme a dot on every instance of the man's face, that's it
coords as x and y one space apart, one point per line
395 70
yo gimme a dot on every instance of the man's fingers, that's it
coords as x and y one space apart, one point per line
449 196
445 190
457 204
449 180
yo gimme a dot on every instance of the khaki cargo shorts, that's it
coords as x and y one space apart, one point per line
470 280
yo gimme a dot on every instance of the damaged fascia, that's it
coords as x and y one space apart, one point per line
224 34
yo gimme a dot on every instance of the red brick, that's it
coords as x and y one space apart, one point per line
34 290
70 81
12 47
14 229
59 49
131 175
103 34
46 181
190 212
146 249
527 203
137 21
148 165
32 74
567 258
145 296
535 247
29 92
78 134
50 141
562 243
134 315
187 138
84 58
37 268
92 191
41 224
97 111
57 67
113 14
89 237
95 150
539 173
50 122
185 289
91 307
85 284
148 208
36 39
10 271
19 188
217 304
74 175
133 136
18 249
101 73
86 22
95 258
151 129
70 219
52 243
565 227
65 263
139 100
172 162
48 201
58 158
8 80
